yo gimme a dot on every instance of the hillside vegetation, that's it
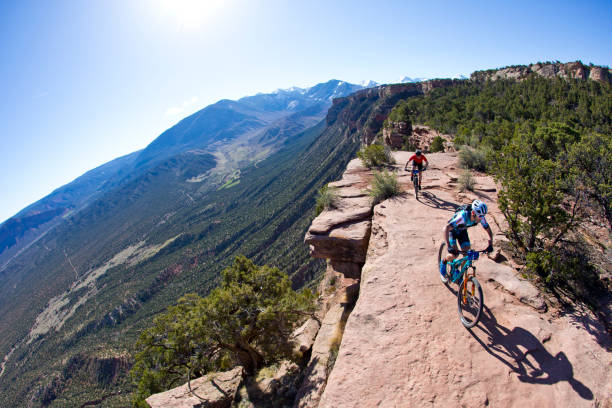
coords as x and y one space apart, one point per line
264 217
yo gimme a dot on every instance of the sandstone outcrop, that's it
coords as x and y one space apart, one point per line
216 390
363 113
573 70
341 236
396 133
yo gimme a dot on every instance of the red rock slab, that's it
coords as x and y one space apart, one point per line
404 346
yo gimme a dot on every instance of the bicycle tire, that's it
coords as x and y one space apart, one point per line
470 310
415 181
445 278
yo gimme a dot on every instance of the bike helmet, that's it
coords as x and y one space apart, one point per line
418 152
479 208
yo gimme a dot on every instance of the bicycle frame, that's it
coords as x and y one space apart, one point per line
467 261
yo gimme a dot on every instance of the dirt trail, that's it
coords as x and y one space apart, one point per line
404 346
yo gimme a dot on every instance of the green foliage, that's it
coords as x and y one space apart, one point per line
531 196
466 181
326 198
400 113
591 164
384 185
264 217
437 144
373 155
491 112
566 270
247 320
470 158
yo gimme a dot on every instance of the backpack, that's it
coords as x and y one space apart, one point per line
466 207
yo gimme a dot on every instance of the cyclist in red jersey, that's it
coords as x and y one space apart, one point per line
417 161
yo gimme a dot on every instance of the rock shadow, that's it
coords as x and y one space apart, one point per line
535 364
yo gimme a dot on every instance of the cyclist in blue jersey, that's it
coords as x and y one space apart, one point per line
456 230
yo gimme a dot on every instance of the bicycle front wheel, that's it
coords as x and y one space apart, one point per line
415 181
470 301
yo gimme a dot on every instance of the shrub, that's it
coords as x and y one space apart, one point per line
532 197
384 185
472 159
437 144
566 269
388 156
466 181
591 165
247 320
326 198
372 155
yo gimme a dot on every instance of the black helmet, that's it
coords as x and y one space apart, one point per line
418 152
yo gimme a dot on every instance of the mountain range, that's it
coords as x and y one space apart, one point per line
233 132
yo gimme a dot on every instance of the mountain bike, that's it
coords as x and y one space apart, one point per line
415 181
462 271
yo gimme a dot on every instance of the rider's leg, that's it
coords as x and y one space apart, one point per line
464 241
420 174
452 240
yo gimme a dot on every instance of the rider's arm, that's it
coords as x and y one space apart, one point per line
447 231
487 228
406 165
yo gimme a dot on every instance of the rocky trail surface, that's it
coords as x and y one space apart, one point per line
404 346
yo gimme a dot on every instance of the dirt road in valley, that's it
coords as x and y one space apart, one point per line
404 346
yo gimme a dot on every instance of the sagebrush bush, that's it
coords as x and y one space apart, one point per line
472 159
437 145
372 155
327 197
384 185
388 155
466 181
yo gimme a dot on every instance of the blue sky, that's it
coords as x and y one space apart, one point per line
83 82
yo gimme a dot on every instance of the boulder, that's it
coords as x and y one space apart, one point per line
215 390
305 335
395 133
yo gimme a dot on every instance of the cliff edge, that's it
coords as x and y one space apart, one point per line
403 344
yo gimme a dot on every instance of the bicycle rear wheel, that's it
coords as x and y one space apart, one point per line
446 276
470 302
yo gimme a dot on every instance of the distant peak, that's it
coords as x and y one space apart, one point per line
407 79
368 83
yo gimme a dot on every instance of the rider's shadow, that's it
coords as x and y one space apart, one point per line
431 200
524 354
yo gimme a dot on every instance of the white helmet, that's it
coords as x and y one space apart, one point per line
479 208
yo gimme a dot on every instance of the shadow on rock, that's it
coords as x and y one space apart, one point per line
593 326
431 200
534 365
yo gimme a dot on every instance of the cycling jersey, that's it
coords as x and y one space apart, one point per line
418 159
462 221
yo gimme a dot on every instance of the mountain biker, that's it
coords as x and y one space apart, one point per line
417 162
456 230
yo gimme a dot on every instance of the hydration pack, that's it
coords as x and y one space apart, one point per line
466 207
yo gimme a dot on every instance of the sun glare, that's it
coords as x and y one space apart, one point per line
190 15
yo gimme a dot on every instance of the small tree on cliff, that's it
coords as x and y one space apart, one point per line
247 320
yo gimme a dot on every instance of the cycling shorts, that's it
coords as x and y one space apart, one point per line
461 236
417 165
